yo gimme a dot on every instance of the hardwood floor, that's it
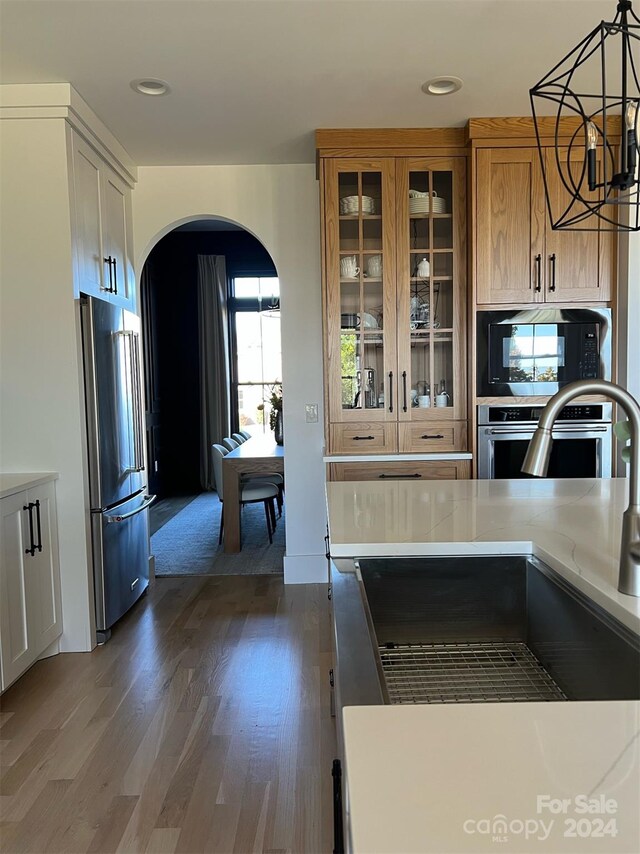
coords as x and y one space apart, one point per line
202 726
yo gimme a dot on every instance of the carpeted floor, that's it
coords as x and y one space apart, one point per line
188 543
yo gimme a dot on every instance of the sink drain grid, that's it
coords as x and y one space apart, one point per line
466 673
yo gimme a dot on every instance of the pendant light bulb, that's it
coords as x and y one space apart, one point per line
631 115
592 142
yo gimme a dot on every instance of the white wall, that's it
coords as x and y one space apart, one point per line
279 205
41 418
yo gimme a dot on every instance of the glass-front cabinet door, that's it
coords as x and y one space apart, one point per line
360 266
431 274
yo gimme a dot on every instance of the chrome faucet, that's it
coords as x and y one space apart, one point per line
537 461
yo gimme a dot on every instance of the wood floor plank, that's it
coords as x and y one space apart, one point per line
111 827
163 840
202 726
12 778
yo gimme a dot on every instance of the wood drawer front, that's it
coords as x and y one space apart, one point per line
433 437
402 470
363 438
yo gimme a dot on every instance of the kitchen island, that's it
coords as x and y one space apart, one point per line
481 777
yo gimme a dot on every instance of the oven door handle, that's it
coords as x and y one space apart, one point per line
517 431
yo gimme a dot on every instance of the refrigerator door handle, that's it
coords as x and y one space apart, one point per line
132 362
148 501
137 396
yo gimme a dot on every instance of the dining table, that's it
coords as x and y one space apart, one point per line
258 455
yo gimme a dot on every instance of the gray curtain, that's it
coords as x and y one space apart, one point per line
214 360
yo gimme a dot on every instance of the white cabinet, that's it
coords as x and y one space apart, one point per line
30 607
102 228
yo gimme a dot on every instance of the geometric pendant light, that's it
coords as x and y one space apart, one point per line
593 95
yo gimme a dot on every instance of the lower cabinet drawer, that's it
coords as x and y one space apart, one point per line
363 438
433 437
402 470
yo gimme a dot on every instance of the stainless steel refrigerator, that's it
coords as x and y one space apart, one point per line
117 475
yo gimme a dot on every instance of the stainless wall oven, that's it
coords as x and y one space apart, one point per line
537 351
582 440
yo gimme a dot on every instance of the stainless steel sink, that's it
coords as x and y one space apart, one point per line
475 629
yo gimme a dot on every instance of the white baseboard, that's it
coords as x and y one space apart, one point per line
305 569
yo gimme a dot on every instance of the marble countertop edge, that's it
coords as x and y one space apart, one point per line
13 482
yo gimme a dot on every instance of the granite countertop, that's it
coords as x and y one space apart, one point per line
13 482
468 777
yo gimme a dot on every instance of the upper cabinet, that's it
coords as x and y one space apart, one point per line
394 297
102 227
518 257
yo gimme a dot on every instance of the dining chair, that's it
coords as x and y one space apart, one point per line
251 493
275 477
259 479
245 433
239 438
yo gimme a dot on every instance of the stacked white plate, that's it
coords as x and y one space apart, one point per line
351 205
424 203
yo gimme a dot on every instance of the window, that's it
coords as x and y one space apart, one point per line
256 357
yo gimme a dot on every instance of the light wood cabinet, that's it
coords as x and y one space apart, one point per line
401 470
518 257
102 228
30 607
394 275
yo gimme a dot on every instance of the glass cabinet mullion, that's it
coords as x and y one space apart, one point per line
360 357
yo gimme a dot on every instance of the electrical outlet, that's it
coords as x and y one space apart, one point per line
311 413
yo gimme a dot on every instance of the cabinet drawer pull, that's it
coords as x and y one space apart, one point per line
32 547
115 276
110 288
390 393
538 287
338 829
552 261
362 438
400 476
433 436
38 525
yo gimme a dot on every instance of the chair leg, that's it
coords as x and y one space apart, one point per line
272 513
279 502
267 516
221 524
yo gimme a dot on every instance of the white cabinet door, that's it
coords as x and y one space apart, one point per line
102 228
43 602
92 269
16 652
30 604
116 237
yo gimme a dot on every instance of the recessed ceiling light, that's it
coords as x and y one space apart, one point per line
442 85
150 86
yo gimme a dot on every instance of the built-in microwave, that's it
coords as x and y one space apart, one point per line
539 350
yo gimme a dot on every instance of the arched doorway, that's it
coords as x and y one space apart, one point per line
171 316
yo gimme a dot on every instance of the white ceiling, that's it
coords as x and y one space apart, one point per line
252 79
